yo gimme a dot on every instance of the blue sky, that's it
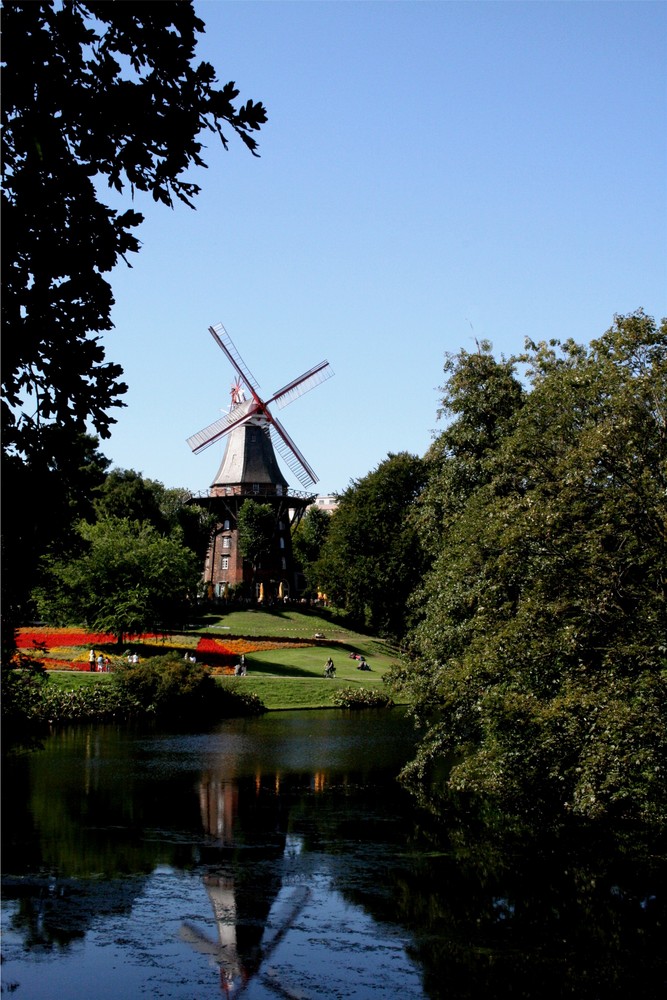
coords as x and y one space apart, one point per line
430 173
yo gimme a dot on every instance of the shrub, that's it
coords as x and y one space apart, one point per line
353 697
232 702
171 688
23 684
92 703
31 699
164 687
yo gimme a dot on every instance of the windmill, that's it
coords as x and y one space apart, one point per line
257 410
249 470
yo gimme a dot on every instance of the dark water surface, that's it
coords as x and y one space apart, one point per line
278 858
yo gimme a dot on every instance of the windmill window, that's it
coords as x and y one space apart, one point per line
281 525
279 490
226 542
255 487
284 561
228 490
282 542
224 562
226 525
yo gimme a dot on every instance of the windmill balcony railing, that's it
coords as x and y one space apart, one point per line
252 491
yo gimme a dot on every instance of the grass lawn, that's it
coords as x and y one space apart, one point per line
281 622
283 678
294 678
69 679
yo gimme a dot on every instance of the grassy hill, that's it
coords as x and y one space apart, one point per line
283 676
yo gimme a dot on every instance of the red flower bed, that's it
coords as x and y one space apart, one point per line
65 665
47 638
213 646
216 653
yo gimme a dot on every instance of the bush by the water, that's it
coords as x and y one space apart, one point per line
171 688
23 688
353 697
163 687
30 697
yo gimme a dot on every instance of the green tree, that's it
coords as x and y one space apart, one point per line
94 94
541 660
256 525
92 91
42 501
481 398
307 541
128 579
194 521
372 559
127 494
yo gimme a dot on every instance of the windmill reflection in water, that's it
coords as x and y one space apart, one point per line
244 816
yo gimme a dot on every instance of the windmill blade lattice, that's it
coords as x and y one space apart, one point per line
226 344
209 435
301 385
291 454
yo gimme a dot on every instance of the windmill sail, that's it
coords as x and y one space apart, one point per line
223 425
301 385
226 344
291 455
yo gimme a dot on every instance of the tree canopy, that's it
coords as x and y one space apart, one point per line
128 579
131 563
257 528
540 659
127 494
372 560
92 92
95 95
309 536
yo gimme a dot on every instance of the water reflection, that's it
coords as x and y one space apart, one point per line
278 857
235 814
238 961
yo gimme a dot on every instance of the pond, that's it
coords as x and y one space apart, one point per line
278 857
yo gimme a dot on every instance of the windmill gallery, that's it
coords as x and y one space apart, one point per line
249 470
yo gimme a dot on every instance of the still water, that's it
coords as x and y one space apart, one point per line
278 858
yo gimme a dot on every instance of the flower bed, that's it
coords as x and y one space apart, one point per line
68 649
222 654
55 663
48 638
238 645
206 645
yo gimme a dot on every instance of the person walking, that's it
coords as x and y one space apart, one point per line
91 660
